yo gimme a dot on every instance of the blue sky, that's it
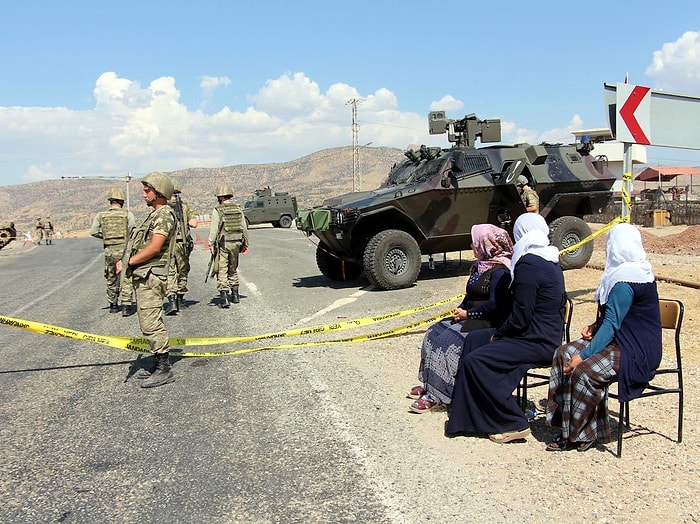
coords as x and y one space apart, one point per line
103 88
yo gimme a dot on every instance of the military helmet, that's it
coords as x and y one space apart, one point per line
177 188
116 193
522 181
161 182
223 191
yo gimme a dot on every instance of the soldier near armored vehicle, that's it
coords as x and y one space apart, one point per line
528 195
180 266
114 227
146 261
228 237
39 230
48 230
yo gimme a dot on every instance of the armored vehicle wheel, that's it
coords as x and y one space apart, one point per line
285 221
392 259
567 231
334 267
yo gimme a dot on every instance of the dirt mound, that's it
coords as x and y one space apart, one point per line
683 243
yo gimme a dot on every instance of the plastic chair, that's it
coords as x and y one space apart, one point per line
671 319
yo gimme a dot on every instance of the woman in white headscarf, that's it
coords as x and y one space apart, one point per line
495 360
624 343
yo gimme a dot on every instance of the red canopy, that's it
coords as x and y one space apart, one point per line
651 174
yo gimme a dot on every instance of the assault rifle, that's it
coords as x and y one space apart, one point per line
184 227
215 255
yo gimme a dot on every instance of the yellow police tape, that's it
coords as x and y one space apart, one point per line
140 345
594 235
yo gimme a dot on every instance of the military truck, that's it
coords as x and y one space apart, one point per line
8 233
263 207
429 202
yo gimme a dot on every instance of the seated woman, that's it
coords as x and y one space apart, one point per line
486 304
495 360
623 344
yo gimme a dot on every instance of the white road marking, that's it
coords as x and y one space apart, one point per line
335 305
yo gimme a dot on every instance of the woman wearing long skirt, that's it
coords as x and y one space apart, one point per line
624 344
495 360
486 304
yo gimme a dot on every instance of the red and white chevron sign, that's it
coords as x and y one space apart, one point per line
633 117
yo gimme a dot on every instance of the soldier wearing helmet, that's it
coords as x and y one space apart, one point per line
528 195
146 261
228 237
48 231
114 227
180 267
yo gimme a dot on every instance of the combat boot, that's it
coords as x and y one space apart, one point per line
171 307
235 297
163 373
126 310
114 308
180 300
148 369
223 301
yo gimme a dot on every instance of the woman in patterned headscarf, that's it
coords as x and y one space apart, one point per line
486 304
624 343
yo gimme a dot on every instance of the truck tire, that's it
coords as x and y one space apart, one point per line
285 221
392 259
567 231
335 268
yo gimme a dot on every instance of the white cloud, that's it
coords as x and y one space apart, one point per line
447 103
209 85
676 66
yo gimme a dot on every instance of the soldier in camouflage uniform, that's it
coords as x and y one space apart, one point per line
529 196
146 262
228 236
114 226
180 266
39 230
48 231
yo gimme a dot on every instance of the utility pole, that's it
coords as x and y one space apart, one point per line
126 178
356 182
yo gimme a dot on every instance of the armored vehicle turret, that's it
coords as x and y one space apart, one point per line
429 203
8 233
278 209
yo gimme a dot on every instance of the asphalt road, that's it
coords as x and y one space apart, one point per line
259 437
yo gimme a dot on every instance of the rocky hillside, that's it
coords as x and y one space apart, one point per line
72 203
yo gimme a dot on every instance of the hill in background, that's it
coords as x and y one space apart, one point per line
73 203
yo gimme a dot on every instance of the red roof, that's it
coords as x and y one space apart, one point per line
651 174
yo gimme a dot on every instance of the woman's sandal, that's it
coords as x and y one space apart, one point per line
584 446
509 436
559 444
416 392
423 405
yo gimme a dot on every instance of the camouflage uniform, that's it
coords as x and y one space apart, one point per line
113 226
150 278
39 229
180 267
48 231
530 198
229 233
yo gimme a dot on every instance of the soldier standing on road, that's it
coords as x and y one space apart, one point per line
228 236
528 195
146 261
39 229
180 268
114 226
48 231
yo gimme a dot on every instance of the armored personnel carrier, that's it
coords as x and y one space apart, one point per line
8 233
264 207
429 202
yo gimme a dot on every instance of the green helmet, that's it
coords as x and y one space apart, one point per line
116 193
223 191
162 183
176 187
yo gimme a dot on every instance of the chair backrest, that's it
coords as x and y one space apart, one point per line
672 318
568 313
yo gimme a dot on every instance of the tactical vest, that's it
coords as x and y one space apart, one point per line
142 236
114 225
232 218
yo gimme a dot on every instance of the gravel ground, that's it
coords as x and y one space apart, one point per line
656 480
